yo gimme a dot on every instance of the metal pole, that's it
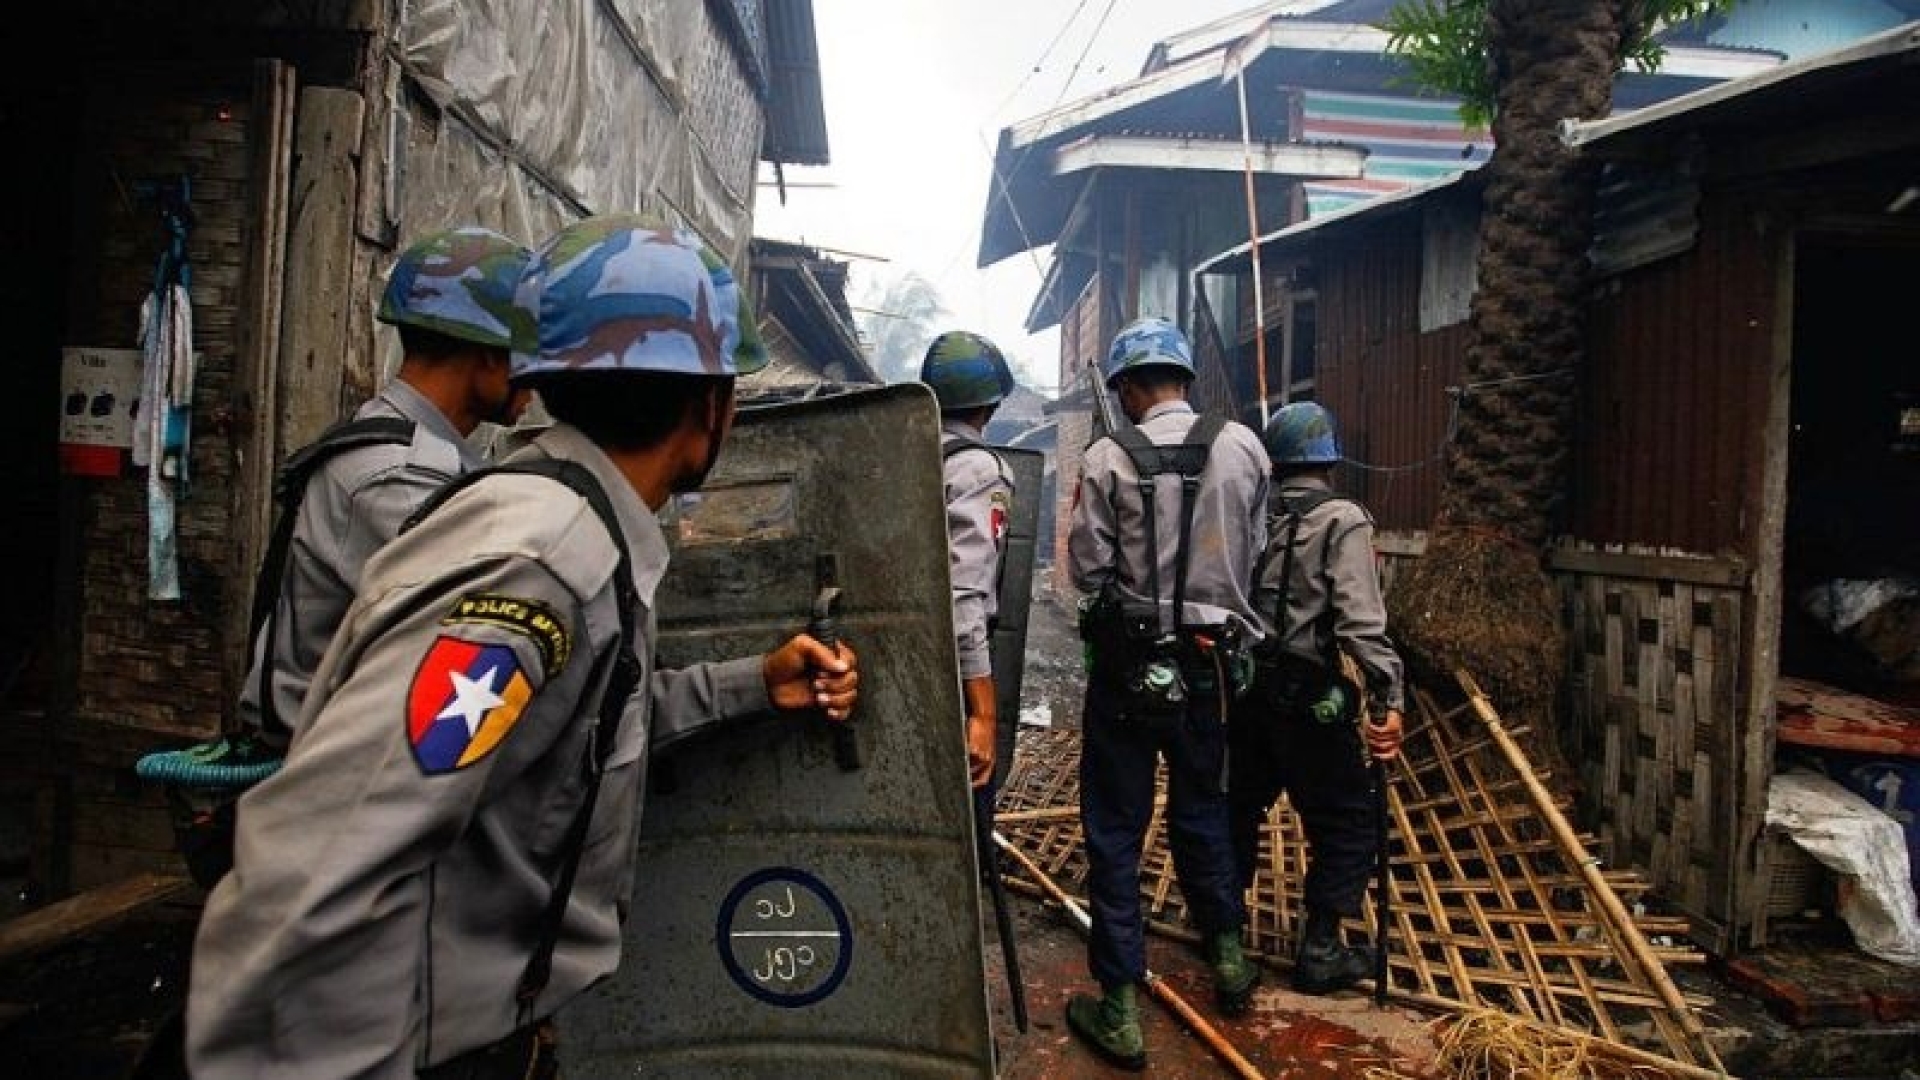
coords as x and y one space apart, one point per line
1253 243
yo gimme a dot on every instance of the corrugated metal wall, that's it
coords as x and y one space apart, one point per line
1668 449
1212 389
1670 443
1384 380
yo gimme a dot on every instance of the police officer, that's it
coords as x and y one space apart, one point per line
1161 673
450 295
1298 732
969 377
394 880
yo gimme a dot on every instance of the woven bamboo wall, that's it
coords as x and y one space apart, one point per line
1653 669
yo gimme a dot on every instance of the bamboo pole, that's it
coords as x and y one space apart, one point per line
1048 813
1155 985
1614 912
1044 813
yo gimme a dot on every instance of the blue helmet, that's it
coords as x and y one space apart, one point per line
966 371
1301 433
460 283
1148 342
627 292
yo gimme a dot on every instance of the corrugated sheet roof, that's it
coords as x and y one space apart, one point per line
1807 85
1800 85
796 104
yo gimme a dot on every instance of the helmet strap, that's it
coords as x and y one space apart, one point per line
717 409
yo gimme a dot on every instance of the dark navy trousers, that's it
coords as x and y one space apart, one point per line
1323 769
1119 759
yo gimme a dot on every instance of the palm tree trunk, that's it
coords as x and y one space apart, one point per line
1508 468
1480 598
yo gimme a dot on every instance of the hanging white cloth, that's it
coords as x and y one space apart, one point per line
160 440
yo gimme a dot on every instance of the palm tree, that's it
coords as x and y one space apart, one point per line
1480 598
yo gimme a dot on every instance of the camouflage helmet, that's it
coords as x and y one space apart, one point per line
1301 434
1147 342
459 282
966 371
629 292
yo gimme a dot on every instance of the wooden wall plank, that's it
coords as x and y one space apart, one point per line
86 912
321 253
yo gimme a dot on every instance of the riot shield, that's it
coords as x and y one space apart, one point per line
797 913
1008 644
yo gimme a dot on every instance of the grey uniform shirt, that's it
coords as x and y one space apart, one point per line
979 494
1334 596
390 878
354 504
1108 532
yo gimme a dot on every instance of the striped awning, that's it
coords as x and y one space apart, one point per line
1408 141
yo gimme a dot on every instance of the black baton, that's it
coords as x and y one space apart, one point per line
1002 918
824 629
1382 901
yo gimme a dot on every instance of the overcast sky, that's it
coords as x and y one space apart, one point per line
916 94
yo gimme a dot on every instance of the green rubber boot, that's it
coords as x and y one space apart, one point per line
1234 975
1110 1025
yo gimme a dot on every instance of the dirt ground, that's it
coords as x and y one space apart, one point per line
1284 1034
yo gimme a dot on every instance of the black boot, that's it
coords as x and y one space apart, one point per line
1324 965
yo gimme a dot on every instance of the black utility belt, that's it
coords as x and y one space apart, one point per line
1295 685
1106 621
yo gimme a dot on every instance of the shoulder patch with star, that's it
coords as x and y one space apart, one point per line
466 694
465 697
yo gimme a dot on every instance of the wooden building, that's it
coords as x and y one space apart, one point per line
297 148
1748 426
805 318
1231 129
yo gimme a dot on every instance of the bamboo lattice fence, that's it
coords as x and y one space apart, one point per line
1496 902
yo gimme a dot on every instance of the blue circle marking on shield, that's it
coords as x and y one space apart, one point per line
784 937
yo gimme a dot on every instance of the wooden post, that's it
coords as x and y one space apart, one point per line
257 375
320 290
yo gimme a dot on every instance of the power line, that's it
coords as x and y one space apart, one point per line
1084 50
999 178
1058 36
1038 64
